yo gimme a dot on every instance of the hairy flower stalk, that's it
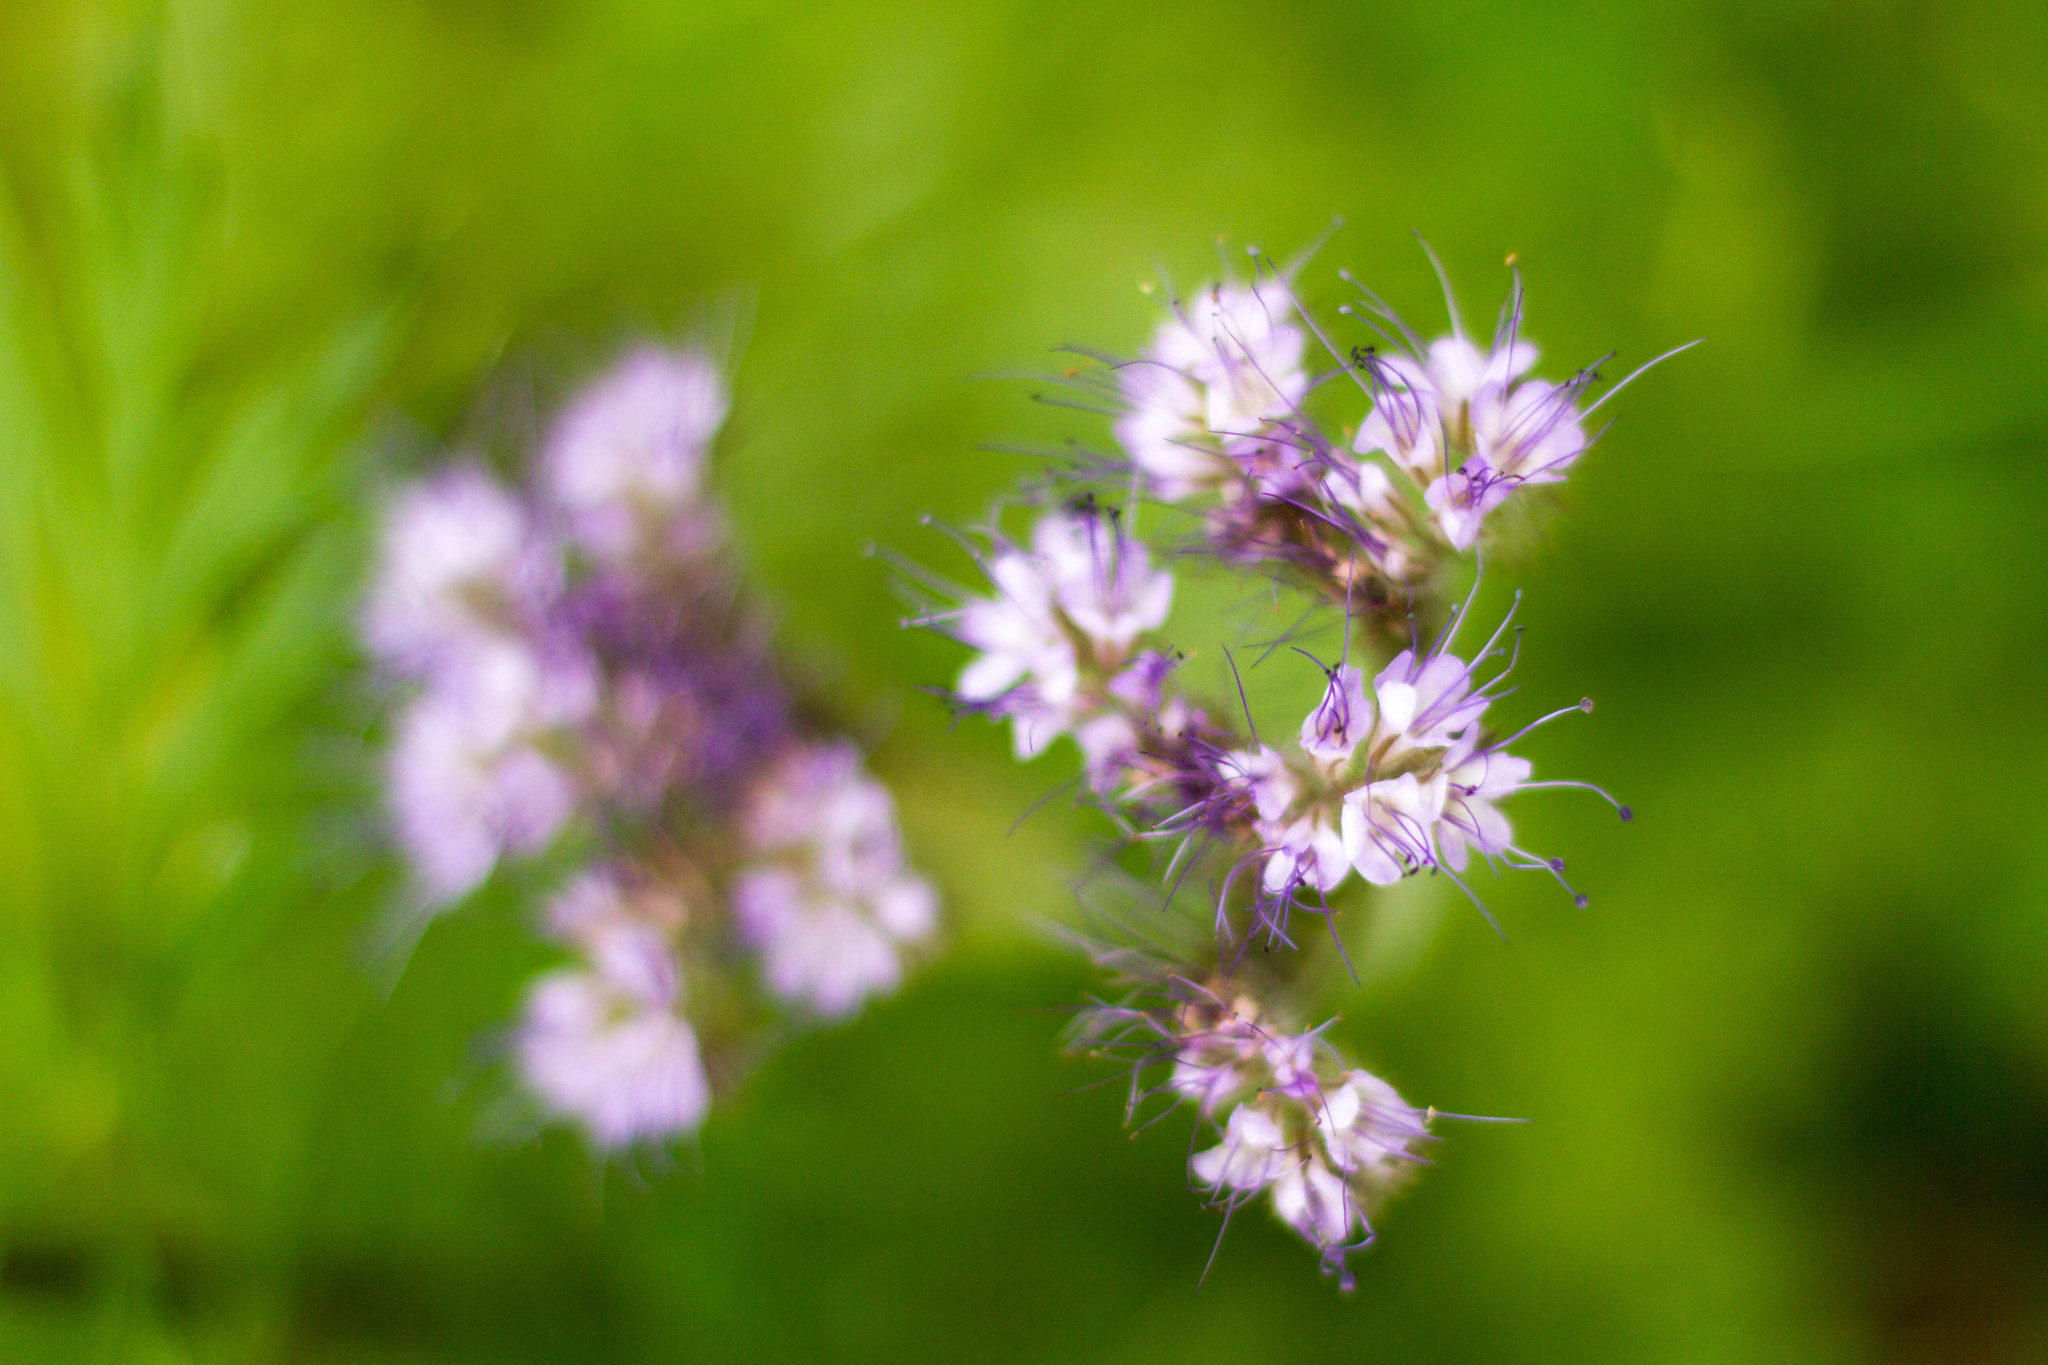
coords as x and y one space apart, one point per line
1400 768
578 656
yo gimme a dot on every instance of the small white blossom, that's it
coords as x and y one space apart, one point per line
1300 849
816 951
1388 826
1165 434
1344 717
1424 702
1252 1154
1102 579
621 939
1028 668
1313 1200
1263 775
1310 852
1366 1128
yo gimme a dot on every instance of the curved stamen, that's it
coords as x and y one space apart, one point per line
1626 812
1584 706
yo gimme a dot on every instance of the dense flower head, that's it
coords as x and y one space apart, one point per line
1206 400
578 653
1470 427
1211 416
1365 789
1327 1150
1385 783
1325 1141
1055 638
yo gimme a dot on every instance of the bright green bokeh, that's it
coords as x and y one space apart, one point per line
1788 1075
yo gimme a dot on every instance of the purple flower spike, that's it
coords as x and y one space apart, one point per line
583 658
1394 771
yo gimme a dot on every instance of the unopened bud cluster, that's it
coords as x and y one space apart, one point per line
1399 769
583 673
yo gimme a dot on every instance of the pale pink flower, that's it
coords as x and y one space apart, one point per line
827 900
601 1052
1476 778
1203 398
625 462
457 564
469 776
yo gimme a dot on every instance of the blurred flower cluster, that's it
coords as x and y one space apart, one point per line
1400 767
584 672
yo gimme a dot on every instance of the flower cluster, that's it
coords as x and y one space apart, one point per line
1470 427
1327 1144
578 656
1214 417
1396 770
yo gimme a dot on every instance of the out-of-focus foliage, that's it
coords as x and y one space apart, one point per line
1788 1075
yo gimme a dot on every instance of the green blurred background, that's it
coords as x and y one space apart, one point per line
1788 1075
